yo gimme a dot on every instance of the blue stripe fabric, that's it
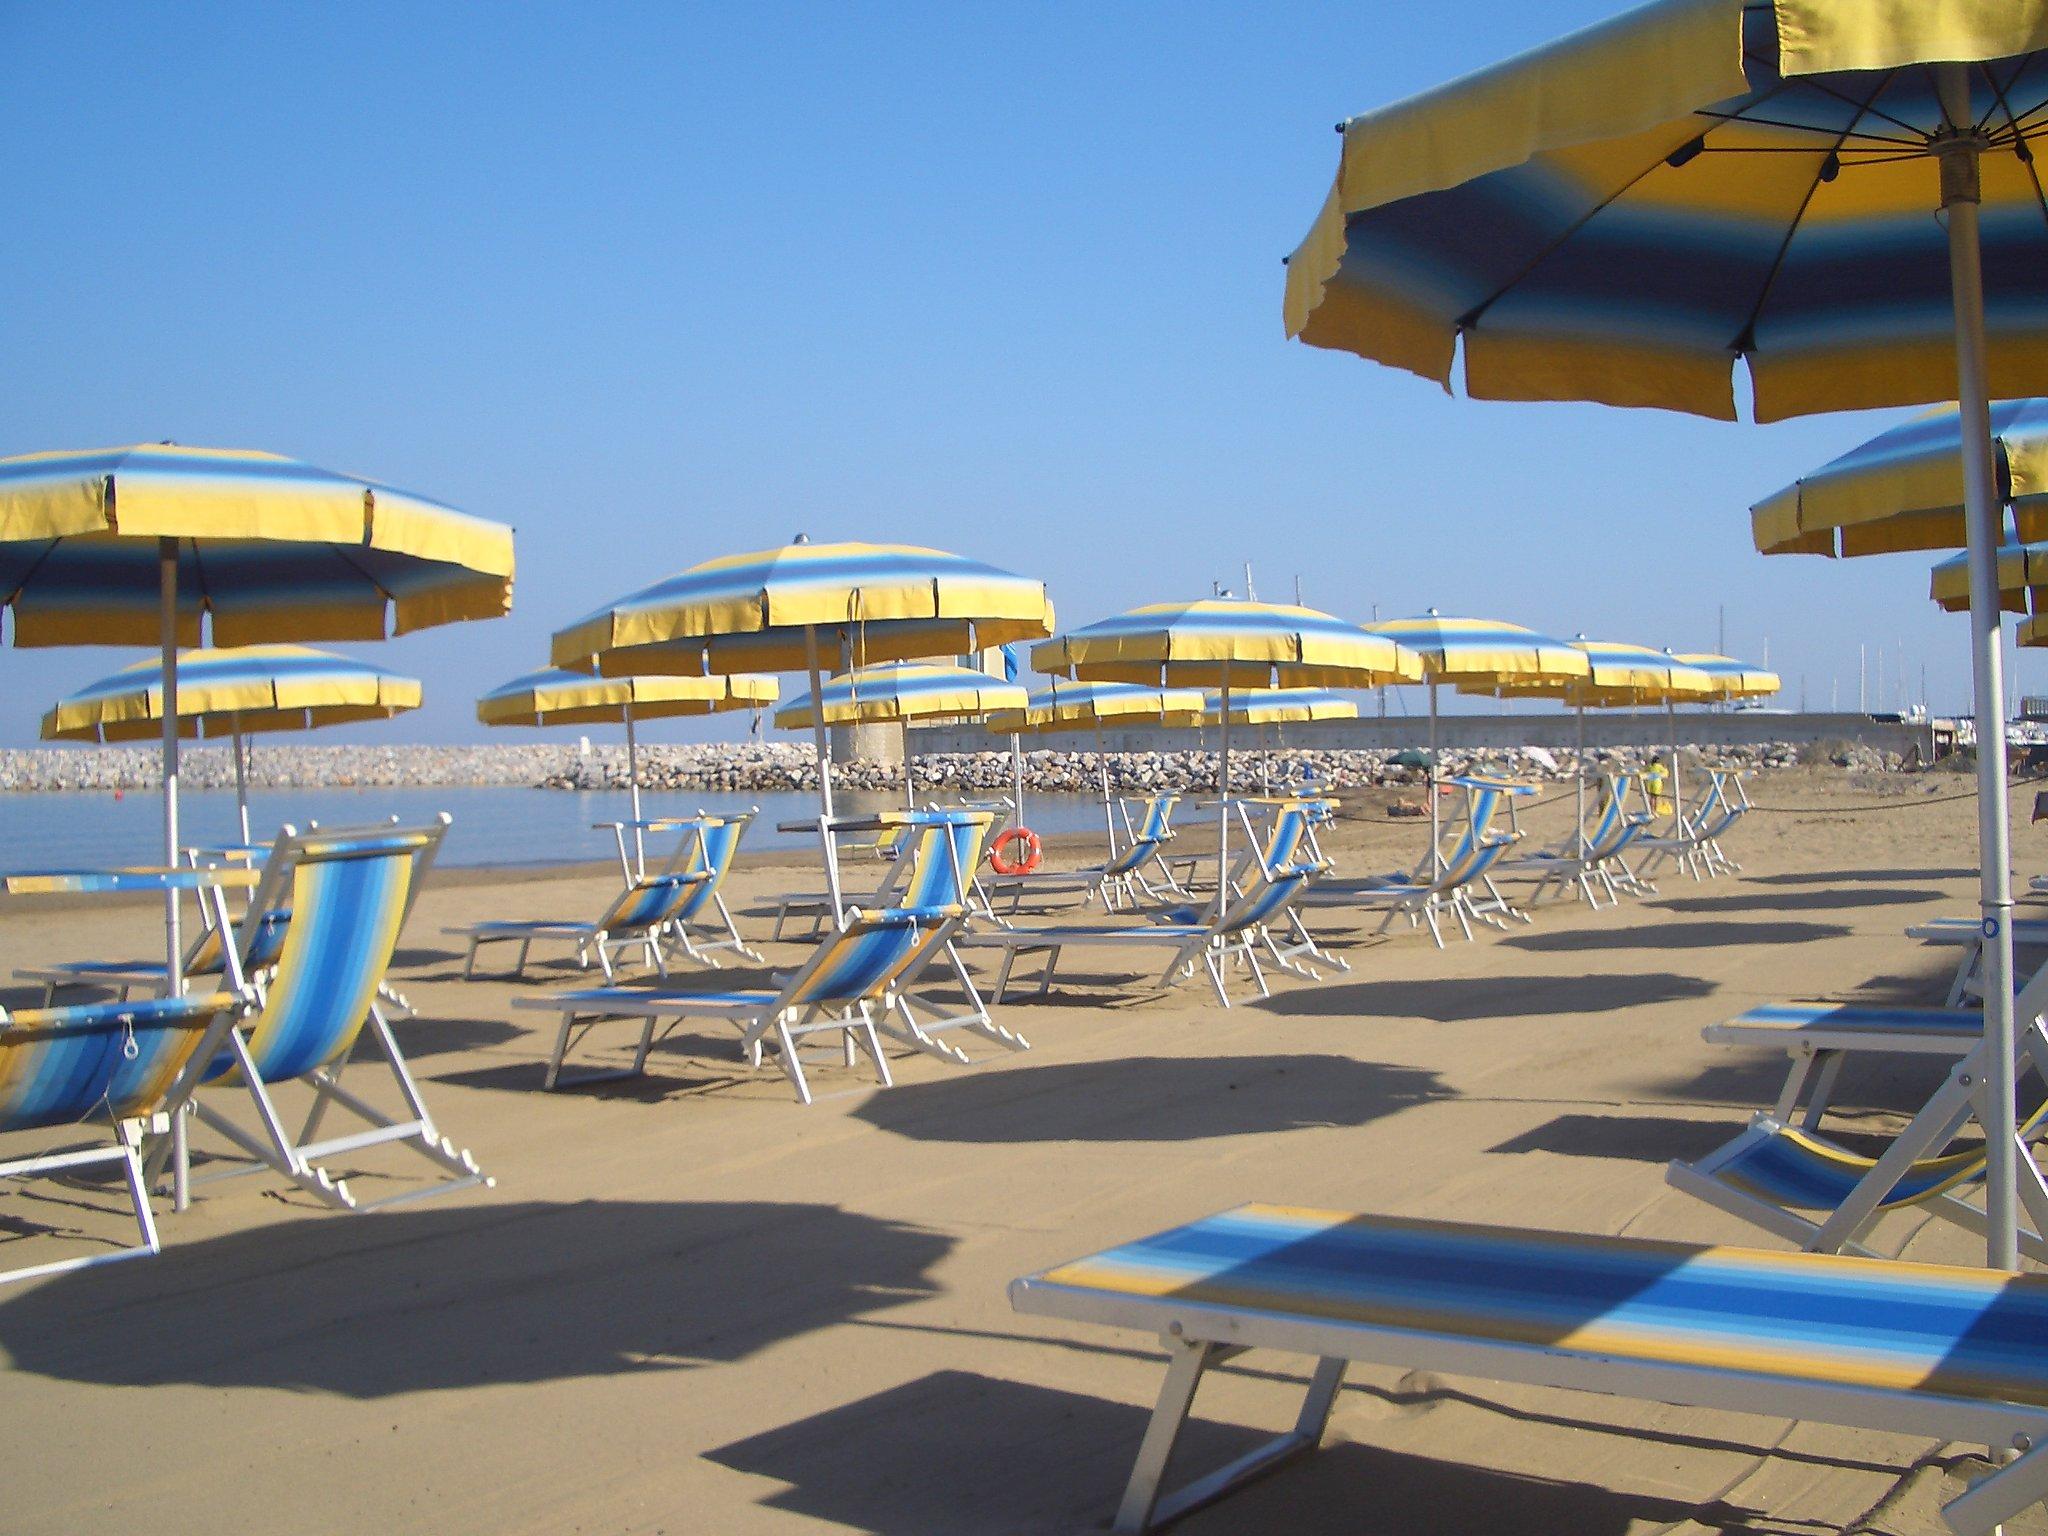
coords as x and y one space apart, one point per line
1962 1332
61 1065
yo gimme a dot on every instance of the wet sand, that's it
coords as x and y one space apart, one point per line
691 1305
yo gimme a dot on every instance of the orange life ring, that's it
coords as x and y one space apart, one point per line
999 859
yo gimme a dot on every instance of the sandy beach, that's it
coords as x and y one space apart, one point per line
691 1305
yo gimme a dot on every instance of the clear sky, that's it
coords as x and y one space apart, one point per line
655 283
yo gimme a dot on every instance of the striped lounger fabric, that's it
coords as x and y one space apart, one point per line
1961 1354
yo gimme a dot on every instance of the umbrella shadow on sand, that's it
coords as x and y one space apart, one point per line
1151 1099
1682 935
1796 901
1065 1456
490 1293
1840 876
1463 999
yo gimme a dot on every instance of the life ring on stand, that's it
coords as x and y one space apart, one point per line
1033 852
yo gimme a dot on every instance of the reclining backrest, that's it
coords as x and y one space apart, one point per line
712 844
860 960
944 857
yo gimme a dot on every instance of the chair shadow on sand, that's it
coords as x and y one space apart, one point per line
1063 1458
489 1294
1463 999
1635 1138
1680 935
1162 1098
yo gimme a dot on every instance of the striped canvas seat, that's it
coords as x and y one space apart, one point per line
1823 1026
700 924
115 1065
1948 1351
850 979
350 892
1463 886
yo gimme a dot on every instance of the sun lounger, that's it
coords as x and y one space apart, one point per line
349 891
1954 1354
1235 933
1968 933
1463 886
1685 845
1597 861
635 918
914 877
849 982
1782 1175
701 925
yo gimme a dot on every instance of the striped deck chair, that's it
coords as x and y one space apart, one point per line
891 842
1288 842
88 1062
701 925
1734 805
1466 869
635 918
349 895
1598 863
1781 1175
1233 935
1955 1354
1140 873
1685 844
842 990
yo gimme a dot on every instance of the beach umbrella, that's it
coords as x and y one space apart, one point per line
1731 679
901 692
1618 676
1227 643
1476 653
1069 706
1278 708
235 693
780 610
151 544
1841 197
556 697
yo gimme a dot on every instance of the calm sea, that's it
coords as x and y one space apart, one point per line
492 826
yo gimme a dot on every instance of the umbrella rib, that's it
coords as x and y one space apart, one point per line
49 549
1763 297
1470 318
1917 143
2019 139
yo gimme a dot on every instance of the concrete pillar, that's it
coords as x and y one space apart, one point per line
880 743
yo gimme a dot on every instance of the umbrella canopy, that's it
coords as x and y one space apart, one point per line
1068 706
765 611
556 697
1223 642
1453 649
903 691
1619 676
267 549
1623 215
2022 572
1281 706
140 544
1732 679
233 692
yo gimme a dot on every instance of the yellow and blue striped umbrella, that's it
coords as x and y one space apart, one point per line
138 545
1454 649
1627 213
1281 706
1070 706
1619 676
267 549
1732 679
557 697
901 691
1226 642
763 612
234 693
2022 573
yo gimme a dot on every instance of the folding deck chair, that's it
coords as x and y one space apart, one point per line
1685 845
637 917
1956 1354
1780 1172
1232 932
121 1061
349 893
1140 873
701 925
847 984
1595 861
1463 886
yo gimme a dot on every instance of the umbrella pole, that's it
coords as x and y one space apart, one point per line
1436 857
241 778
1677 790
1102 770
1017 777
633 795
1223 801
824 770
1579 765
167 578
909 771
1983 518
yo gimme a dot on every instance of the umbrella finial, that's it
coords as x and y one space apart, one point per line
802 538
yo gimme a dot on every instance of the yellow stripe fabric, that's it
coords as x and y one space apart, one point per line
557 697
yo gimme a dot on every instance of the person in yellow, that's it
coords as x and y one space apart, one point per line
1657 779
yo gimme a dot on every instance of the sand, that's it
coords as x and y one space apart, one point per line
690 1305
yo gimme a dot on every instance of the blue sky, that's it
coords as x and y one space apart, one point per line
654 283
